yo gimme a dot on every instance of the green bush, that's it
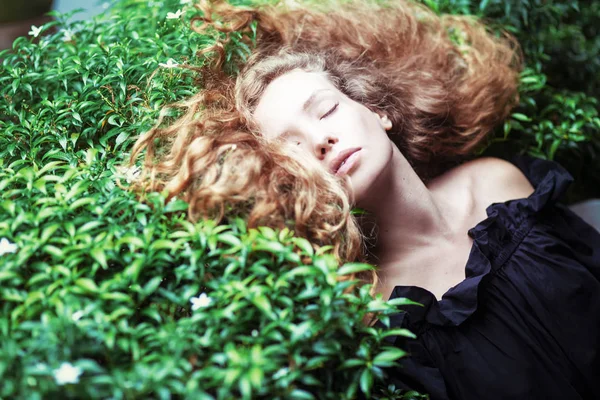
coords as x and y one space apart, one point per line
558 115
128 300
105 297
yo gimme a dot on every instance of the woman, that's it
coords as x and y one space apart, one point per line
509 278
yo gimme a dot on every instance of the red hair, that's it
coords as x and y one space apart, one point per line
443 81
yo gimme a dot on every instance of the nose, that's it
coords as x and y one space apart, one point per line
323 145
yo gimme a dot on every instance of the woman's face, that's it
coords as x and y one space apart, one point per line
307 112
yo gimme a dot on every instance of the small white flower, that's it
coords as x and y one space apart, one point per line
200 302
35 31
67 35
169 64
77 315
7 247
67 373
254 333
282 372
175 15
184 2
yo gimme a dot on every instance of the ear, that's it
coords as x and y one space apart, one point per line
385 121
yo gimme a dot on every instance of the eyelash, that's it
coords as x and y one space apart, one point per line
328 113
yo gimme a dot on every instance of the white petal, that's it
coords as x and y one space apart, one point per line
67 373
35 31
174 15
200 302
7 247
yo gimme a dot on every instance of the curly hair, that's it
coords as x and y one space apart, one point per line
443 81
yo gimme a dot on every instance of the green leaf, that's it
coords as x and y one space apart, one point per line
268 233
229 239
392 354
15 85
99 255
48 232
176 205
256 377
133 270
6 275
520 117
302 271
555 145
350 268
263 304
366 381
245 387
299 394
52 250
399 332
87 284
352 363
403 301
88 226
483 5
120 313
116 296
163 244
304 245
152 285
81 202
133 241
272 247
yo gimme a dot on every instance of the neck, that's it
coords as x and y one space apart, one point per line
407 214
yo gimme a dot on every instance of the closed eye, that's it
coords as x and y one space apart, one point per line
328 113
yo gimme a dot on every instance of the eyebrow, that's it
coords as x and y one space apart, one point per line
311 99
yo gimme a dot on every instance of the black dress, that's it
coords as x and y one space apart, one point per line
525 322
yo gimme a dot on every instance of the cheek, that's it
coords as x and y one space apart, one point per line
303 156
351 119
298 149
366 120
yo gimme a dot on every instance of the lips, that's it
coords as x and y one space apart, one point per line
339 160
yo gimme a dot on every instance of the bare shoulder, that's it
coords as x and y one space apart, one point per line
495 180
483 181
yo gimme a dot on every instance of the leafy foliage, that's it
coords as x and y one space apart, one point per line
105 297
558 116
109 288
114 287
